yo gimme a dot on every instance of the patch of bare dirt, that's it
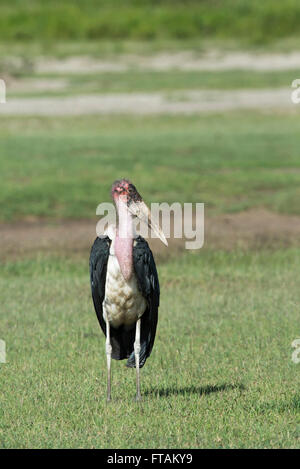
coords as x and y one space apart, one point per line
212 60
252 229
79 65
30 85
185 102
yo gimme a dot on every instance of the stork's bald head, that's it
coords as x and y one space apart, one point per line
124 190
125 195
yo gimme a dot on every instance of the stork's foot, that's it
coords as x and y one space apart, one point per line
138 398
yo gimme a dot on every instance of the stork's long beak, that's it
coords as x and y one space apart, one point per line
143 213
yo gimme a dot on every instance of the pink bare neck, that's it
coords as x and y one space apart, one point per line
124 241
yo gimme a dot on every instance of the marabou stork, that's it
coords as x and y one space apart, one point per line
124 283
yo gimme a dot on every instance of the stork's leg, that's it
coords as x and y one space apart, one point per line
108 349
137 348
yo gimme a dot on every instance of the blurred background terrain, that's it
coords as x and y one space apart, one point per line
192 101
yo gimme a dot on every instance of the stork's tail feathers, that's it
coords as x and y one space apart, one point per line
122 342
143 357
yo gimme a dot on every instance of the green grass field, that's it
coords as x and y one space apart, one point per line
149 81
245 161
252 22
220 375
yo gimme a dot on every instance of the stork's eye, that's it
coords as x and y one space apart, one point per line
121 190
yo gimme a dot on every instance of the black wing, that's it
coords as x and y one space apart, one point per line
98 267
147 278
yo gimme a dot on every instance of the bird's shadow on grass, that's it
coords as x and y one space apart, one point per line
188 390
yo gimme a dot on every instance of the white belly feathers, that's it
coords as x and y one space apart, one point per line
124 303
